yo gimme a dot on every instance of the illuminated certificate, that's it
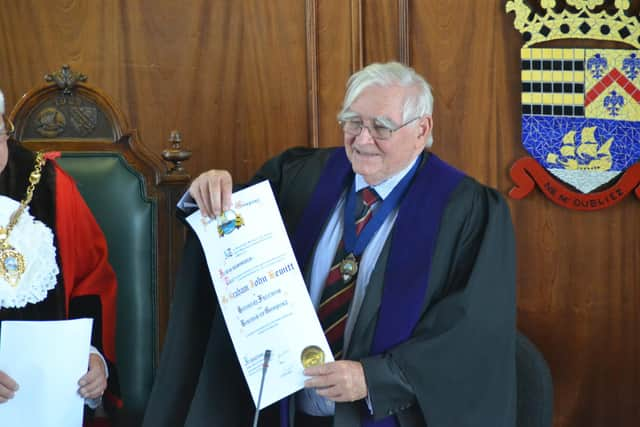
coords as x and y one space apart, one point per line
264 300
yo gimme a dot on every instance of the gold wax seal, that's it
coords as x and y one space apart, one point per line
312 356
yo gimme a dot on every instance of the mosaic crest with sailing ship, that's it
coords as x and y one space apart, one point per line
580 106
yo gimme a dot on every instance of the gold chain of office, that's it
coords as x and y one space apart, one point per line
12 264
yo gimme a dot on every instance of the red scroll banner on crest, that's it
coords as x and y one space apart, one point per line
526 173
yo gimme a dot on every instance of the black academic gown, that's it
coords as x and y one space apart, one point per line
457 369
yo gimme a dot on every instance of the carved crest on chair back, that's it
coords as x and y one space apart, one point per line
69 109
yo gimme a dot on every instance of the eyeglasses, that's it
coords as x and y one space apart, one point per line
378 131
4 131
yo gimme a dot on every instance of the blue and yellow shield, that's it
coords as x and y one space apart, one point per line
580 121
581 113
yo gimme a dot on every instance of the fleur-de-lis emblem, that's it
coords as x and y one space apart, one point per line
631 66
613 103
597 65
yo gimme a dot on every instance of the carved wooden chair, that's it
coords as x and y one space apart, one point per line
132 196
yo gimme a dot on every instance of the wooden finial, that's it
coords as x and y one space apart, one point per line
176 154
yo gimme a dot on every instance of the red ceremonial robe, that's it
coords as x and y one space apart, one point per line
86 283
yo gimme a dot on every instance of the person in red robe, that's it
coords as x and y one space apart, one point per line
72 277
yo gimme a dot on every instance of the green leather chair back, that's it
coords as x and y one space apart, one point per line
116 195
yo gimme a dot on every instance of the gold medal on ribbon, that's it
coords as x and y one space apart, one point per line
312 356
12 265
348 267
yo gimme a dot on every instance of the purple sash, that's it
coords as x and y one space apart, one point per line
406 280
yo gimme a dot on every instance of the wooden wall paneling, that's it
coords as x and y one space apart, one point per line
338 52
357 36
578 301
311 30
452 45
275 71
242 80
507 88
38 37
351 35
381 30
152 67
230 75
404 32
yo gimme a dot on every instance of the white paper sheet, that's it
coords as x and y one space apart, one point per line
262 293
46 359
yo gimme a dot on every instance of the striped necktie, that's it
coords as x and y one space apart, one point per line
333 310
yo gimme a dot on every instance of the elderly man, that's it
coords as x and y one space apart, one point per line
53 260
416 295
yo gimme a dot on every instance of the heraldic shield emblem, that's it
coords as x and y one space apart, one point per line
580 106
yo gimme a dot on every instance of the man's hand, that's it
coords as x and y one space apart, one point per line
212 192
341 381
94 382
8 387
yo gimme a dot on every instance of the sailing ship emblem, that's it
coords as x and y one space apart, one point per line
580 107
586 155
50 122
582 154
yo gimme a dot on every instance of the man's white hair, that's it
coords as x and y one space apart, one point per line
418 102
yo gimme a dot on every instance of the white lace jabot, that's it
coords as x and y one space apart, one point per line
34 240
